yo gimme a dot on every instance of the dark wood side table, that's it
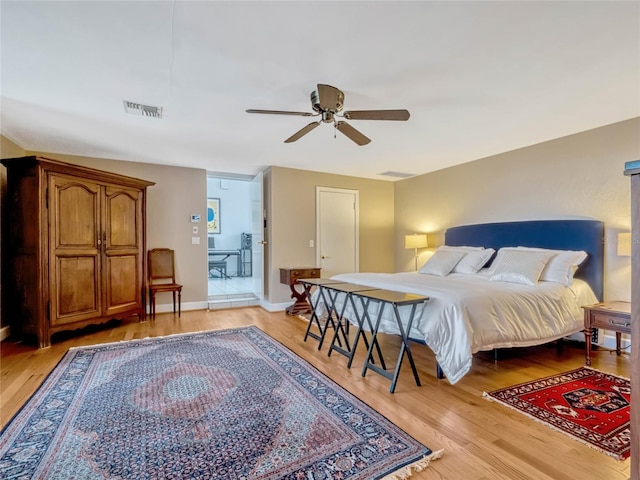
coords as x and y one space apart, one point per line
289 276
614 316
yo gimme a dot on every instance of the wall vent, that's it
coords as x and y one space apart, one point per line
139 109
397 174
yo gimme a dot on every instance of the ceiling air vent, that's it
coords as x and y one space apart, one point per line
397 174
139 109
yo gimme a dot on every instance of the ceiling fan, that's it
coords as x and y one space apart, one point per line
327 101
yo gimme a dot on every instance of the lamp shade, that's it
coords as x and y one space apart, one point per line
417 240
624 244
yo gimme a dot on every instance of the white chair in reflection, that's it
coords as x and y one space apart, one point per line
219 266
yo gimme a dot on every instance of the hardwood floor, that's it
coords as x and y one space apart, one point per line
481 439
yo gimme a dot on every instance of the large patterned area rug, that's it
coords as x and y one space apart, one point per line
230 404
586 404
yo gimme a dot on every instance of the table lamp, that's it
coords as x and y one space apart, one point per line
416 241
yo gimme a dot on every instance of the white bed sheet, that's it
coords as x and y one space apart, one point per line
469 313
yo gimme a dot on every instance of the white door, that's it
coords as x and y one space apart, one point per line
336 230
257 226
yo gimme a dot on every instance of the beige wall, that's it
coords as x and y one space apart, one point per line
178 193
579 176
8 149
291 197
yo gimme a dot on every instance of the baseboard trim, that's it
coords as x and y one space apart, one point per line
168 307
606 339
609 341
274 307
204 305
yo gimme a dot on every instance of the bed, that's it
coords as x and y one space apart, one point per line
469 313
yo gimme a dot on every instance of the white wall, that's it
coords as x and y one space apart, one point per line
235 213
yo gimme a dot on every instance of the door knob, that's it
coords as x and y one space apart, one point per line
325 256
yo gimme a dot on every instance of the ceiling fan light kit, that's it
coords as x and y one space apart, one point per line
328 102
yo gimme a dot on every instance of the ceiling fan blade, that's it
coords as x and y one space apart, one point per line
352 133
377 115
281 112
330 98
302 132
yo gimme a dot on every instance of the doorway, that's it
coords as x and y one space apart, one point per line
231 249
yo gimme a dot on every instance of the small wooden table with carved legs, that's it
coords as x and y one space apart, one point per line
290 276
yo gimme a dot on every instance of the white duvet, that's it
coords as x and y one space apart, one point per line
469 313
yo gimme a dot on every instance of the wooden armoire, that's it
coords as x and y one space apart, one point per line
73 247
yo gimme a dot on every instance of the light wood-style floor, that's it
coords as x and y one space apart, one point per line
481 439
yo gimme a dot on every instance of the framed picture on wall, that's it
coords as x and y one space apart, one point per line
213 215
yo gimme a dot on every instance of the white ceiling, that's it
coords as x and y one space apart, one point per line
479 78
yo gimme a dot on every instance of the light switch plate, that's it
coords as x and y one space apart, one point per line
195 240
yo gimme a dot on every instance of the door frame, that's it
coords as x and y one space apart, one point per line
258 220
356 210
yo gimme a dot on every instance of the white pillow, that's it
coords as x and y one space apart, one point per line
461 249
519 266
561 266
473 261
441 262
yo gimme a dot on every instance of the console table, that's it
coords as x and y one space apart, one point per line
290 276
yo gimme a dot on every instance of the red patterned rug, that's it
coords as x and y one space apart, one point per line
588 405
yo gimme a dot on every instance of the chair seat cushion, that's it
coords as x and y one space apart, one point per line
165 287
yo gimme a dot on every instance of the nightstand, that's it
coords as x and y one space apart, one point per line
614 316
289 276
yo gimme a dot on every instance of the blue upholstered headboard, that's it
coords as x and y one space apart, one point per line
587 235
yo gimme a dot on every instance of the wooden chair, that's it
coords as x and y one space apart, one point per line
162 277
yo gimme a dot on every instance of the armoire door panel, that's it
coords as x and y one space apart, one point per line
75 246
122 260
77 219
121 292
76 294
122 209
